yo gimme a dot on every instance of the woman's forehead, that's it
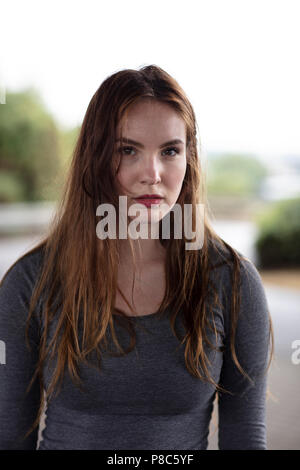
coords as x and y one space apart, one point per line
160 123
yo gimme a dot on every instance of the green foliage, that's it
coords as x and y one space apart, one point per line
234 175
278 240
11 187
30 161
67 141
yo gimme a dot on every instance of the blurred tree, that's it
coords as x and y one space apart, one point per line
67 142
30 161
234 175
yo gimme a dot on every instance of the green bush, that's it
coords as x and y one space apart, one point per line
278 240
11 187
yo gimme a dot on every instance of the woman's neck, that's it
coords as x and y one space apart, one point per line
146 251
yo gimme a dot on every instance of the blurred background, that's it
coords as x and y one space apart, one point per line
237 63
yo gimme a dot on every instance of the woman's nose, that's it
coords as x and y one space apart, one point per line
150 171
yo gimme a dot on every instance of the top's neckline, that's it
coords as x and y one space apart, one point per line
149 315
144 316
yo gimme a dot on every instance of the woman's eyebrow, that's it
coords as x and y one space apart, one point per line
138 144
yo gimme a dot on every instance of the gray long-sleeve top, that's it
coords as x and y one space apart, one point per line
146 399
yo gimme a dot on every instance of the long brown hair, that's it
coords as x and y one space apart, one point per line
79 272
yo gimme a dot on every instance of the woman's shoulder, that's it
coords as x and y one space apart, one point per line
16 289
232 272
23 273
226 261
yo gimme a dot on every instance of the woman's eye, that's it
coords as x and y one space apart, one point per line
125 149
128 150
174 149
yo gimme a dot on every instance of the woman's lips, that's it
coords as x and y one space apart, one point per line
147 201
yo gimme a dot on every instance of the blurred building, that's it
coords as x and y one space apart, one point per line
283 181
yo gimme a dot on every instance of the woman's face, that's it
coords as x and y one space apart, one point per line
151 165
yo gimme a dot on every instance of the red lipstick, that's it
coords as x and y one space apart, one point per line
148 199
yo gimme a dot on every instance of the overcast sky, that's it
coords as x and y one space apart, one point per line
237 60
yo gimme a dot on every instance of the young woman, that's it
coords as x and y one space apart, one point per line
129 340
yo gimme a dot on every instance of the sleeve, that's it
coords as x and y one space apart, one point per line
242 415
18 410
